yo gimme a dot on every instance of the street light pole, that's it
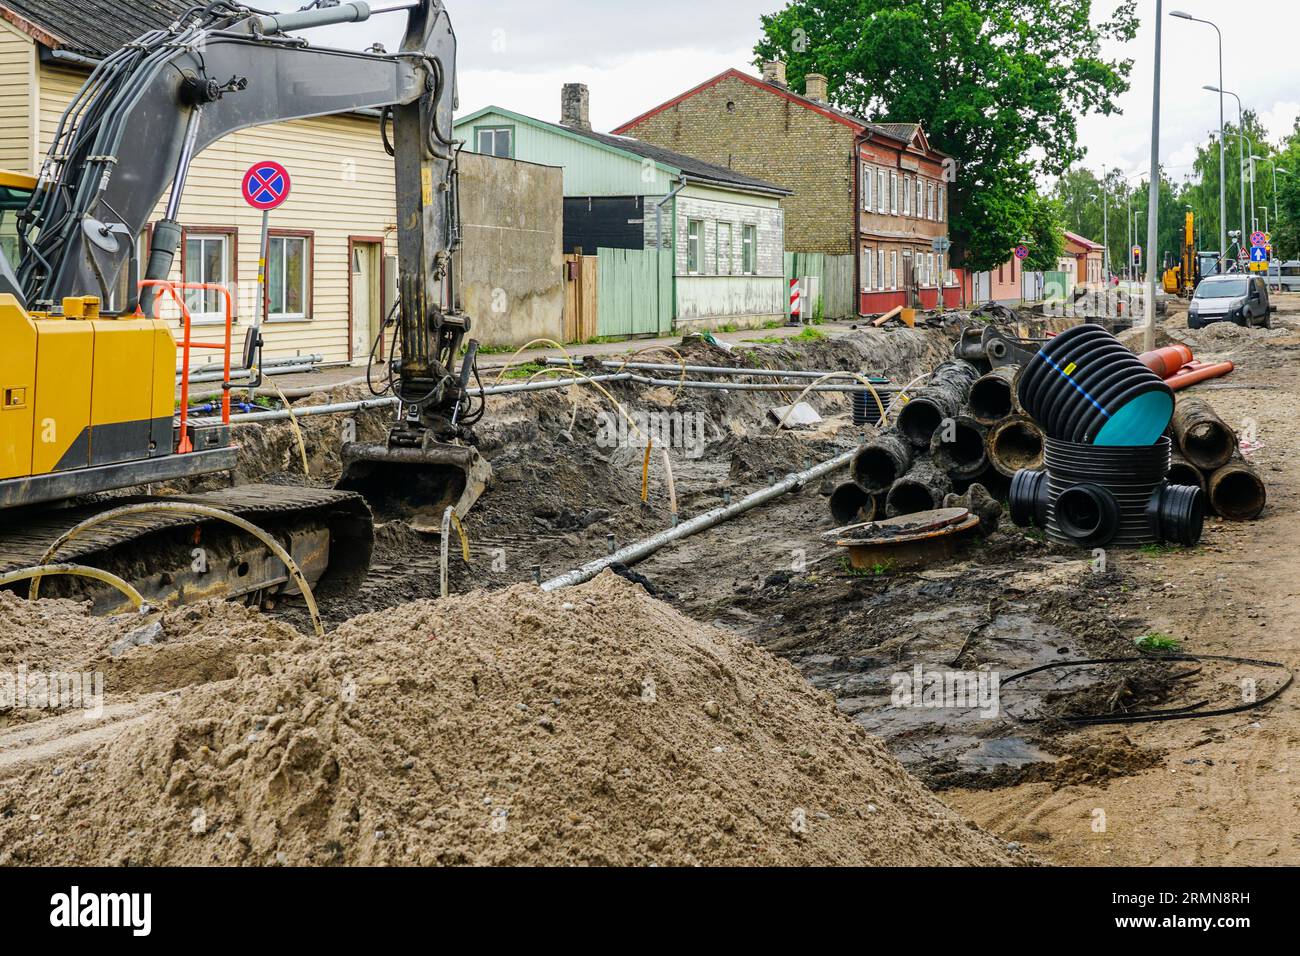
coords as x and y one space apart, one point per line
1241 143
1223 195
1105 223
1153 212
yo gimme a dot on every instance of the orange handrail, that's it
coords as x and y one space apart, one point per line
184 446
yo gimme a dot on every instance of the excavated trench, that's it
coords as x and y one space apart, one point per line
567 489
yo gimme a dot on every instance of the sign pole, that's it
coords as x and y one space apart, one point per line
263 290
266 185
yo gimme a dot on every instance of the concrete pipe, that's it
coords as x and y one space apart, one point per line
1183 472
881 462
1204 438
1237 491
1015 443
993 397
943 398
959 448
923 488
851 504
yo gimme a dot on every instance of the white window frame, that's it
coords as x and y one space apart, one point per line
493 132
749 250
929 201
303 315
868 180
880 189
942 196
893 192
880 269
694 237
726 263
907 195
893 269
199 317
920 197
865 257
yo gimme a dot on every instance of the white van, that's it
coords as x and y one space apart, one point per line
1284 276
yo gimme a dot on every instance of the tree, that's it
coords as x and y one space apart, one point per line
1043 234
993 83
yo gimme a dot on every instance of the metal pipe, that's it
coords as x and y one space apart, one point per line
353 12
702 369
648 546
247 374
742 386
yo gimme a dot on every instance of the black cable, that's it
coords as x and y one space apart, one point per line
1148 716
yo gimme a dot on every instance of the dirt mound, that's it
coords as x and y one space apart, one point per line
136 653
591 726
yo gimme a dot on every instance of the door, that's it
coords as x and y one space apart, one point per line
363 294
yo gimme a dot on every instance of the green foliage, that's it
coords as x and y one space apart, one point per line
1043 234
1155 641
989 80
809 334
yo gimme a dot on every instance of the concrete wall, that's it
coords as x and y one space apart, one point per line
510 264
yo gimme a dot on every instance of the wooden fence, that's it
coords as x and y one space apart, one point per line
835 298
636 292
581 287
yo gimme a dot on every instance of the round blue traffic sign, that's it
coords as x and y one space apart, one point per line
266 185
1022 252
1258 239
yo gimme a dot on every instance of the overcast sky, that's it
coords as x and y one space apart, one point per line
633 55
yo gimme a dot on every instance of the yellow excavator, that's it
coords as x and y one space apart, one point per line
88 369
1182 277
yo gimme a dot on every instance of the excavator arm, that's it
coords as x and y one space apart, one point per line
131 134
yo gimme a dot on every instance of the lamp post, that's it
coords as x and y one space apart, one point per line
1223 196
1153 212
1241 154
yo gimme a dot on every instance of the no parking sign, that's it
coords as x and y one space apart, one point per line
266 185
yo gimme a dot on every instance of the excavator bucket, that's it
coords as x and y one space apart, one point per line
415 485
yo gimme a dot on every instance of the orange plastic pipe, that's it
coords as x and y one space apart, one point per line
1202 374
1167 361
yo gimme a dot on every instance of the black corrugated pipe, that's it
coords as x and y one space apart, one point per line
1028 498
1177 513
1084 386
943 398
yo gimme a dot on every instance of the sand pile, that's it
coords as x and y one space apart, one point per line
591 726
137 654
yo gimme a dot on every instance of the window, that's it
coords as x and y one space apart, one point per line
880 190
207 261
907 195
864 267
694 232
920 196
880 268
942 197
893 193
495 141
724 249
929 201
749 250
288 276
868 180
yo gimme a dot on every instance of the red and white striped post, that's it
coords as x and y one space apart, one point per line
796 303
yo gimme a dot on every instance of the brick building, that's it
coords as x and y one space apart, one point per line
876 191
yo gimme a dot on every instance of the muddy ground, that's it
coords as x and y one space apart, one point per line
1007 604
1218 790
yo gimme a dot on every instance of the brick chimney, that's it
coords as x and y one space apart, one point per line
774 72
814 87
575 106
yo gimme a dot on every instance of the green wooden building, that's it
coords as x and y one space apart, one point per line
682 244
